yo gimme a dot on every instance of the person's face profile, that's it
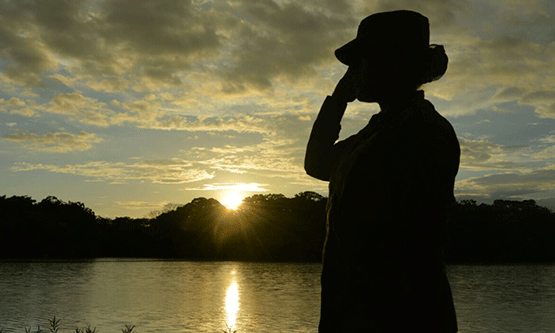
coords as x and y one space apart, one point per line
371 77
380 71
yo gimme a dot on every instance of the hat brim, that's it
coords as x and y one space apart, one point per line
348 53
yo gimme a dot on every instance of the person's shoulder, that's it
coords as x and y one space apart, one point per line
433 121
434 132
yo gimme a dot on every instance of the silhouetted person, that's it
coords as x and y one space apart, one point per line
390 185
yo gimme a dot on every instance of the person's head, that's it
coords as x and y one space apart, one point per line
392 54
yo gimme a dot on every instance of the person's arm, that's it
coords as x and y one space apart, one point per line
321 152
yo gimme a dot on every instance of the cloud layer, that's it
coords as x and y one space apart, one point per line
155 171
60 142
241 82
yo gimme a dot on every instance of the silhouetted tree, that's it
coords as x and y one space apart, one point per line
507 231
17 218
190 230
267 227
51 228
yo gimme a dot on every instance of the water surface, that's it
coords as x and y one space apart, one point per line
182 296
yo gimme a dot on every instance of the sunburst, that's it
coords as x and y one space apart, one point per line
233 200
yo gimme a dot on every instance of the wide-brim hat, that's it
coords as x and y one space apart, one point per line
405 28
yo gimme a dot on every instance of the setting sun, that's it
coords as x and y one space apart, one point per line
233 200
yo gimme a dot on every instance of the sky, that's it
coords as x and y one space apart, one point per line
130 106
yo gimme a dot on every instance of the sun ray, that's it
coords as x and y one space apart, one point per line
232 200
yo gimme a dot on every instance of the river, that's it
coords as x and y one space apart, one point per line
183 296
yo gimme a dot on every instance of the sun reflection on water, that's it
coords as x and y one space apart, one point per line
232 302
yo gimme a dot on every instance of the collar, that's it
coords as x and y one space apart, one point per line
411 104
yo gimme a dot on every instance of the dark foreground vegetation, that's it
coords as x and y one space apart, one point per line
265 228
55 327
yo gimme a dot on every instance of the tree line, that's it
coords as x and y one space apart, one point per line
268 227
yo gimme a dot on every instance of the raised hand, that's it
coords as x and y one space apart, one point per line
345 90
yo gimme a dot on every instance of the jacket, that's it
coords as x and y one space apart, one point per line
390 189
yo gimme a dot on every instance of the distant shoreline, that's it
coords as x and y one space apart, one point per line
146 259
266 228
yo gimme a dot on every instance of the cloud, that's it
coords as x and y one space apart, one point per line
508 184
239 123
149 112
112 45
497 53
281 40
15 102
79 108
509 93
24 54
542 100
517 172
276 157
259 68
142 112
74 105
165 27
243 187
242 46
481 155
279 153
139 38
172 171
522 67
506 58
441 13
16 106
109 85
61 142
548 139
142 205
